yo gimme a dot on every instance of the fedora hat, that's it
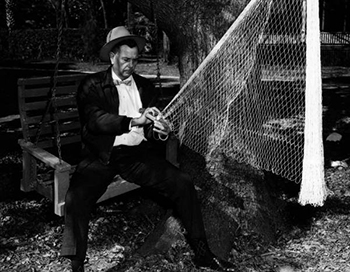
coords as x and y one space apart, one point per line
117 35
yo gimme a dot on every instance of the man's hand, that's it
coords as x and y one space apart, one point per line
145 119
160 125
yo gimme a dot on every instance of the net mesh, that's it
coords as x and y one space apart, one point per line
247 98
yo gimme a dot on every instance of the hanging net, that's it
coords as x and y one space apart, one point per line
257 96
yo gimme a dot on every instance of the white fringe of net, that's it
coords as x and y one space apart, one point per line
248 100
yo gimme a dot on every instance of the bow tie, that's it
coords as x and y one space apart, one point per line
120 82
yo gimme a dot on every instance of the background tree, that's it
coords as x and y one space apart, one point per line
10 20
90 31
104 12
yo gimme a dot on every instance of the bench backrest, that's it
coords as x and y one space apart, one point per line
33 99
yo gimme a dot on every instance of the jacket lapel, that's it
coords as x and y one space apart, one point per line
110 90
140 89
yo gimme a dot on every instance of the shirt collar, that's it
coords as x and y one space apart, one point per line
115 77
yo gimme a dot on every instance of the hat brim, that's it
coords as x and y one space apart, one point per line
107 47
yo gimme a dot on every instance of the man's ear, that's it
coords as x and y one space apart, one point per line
111 57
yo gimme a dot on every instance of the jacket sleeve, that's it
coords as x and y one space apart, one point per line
98 108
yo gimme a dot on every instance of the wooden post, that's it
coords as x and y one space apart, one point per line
61 184
29 172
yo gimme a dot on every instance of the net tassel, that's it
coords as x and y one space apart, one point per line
313 189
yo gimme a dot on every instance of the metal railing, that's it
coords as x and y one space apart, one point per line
335 38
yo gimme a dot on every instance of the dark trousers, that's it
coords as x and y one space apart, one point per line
135 164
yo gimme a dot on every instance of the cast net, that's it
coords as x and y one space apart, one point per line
254 98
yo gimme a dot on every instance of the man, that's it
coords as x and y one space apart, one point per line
117 113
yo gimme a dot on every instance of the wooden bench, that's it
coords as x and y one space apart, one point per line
43 171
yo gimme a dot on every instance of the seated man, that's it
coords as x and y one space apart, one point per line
116 109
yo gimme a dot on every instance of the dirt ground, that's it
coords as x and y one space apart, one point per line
317 240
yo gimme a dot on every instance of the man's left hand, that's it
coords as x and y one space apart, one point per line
161 126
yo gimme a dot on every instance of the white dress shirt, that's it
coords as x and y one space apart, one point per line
129 105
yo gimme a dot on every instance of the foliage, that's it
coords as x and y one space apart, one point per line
33 14
38 14
144 27
34 37
41 44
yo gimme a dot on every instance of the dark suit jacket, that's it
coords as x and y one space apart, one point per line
98 104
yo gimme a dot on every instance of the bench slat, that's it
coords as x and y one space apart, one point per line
60 102
44 91
44 143
47 80
51 130
62 116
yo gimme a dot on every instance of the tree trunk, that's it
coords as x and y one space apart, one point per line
104 13
236 198
10 20
90 32
10 24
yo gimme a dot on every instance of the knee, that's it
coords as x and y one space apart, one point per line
75 195
72 200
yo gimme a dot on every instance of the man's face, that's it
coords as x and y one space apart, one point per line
124 61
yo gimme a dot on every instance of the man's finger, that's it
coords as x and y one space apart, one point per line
160 131
150 116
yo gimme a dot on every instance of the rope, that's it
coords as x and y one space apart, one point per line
52 100
58 54
157 50
158 60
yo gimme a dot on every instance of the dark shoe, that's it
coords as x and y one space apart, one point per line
214 263
77 266
204 258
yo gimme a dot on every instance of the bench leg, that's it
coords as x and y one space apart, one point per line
28 181
61 185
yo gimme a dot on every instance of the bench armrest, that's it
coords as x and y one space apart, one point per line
44 156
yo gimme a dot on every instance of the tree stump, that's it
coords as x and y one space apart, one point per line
236 201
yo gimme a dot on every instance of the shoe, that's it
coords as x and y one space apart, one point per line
214 263
77 266
204 258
